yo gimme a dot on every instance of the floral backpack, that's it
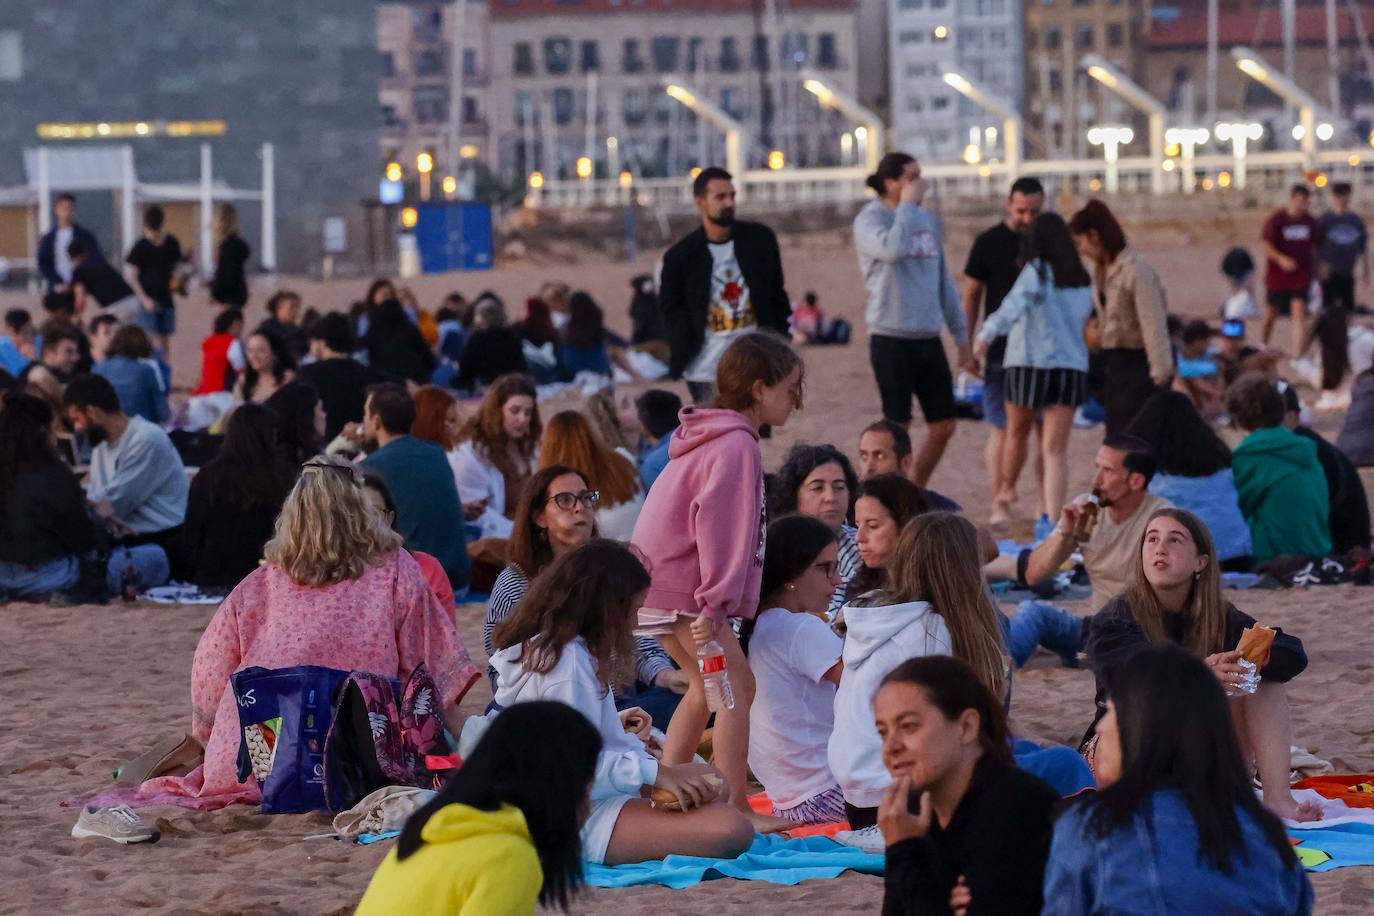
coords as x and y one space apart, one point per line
376 741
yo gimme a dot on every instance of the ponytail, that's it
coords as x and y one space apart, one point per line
890 167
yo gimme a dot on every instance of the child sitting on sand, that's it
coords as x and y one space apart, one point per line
502 835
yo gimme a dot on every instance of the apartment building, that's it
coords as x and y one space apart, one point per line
586 78
979 38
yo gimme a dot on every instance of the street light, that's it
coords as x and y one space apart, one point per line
424 164
1011 121
536 180
1111 137
1255 67
843 102
1187 139
708 111
450 185
776 160
393 171
584 168
1108 75
1240 134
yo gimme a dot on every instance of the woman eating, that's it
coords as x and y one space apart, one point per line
498 450
818 481
569 439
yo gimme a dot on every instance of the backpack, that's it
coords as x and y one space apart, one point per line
374 741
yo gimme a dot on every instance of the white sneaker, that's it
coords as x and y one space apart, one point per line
1305 370
119 824
869 839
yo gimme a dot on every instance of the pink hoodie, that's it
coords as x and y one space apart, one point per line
702 527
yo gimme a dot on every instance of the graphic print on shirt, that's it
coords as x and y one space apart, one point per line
1297 232
763 527
731 309
924 244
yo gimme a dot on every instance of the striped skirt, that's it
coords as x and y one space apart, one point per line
1034 388
826 808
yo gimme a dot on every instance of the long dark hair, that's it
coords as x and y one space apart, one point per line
250 470
529 548
1095 216
903 500
25 422
538 326
282 362
1050 243
589 592
586 323
516 763
891 167
801 460
952 686
794 542
294 405
1184 444
1176 733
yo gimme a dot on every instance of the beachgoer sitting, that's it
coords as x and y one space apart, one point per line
498 450
300 421
818 481
336 590
59 356
284 323
885 448
1348 505
796 662
1357 430
439 419
234 501
570 640
1282 489
16 341
1193 472
959 819
658 416
341 380
502 834
221 354
428 514
882 507
395 347
584 345
570 440
492 350
125 366
554 517
1176 597
1176 820
45 528
379 497
1199 374
269 367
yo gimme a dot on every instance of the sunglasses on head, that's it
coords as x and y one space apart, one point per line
349 472
567 500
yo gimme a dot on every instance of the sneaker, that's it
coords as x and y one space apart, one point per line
1084 420
119 824
1043 529
869 839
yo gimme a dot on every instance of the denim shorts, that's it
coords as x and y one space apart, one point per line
161 321
994 395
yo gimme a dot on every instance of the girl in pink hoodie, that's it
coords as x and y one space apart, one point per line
701 532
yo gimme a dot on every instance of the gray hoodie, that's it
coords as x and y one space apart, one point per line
911 292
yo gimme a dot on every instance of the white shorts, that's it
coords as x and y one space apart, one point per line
596 833
655 622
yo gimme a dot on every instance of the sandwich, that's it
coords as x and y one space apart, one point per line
667 801
1255 644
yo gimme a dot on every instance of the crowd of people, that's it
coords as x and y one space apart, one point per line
827 628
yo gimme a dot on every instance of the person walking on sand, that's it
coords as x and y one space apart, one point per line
1291 238
911 296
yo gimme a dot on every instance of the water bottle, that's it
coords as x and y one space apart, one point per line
129 583
714 677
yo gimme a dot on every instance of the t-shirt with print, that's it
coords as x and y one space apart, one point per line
156 262
994 261
793 712
1344 239
1110 555
729 314
1298 238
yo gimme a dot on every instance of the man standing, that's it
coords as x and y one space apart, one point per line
721 281
911 297
54 262
152 262
1291 237
428 514
993 265
1345 242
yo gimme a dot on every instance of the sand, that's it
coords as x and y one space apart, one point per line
90 687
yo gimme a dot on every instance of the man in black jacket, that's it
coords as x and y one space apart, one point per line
54 262
721 281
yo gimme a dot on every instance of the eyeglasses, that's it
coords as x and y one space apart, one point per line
348 471
567 501
827 568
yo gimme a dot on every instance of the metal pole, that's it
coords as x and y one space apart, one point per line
589 114
1308 119
1156 123
1288 10
44 192
455 90
207 203
1011 140
1333 58
269 208
1238 144
126 196
1212 26
1109 149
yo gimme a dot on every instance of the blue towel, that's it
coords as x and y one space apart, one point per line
771 858
1347 844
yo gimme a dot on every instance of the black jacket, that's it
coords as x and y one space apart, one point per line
1349 507
47 252
45 518
684 289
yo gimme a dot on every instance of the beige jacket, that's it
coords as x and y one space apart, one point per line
1135 315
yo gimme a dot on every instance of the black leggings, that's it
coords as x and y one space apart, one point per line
860 818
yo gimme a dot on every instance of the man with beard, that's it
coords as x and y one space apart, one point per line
721 281
137 483
993 265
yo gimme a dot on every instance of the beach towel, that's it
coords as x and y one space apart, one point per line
773 859
1329 848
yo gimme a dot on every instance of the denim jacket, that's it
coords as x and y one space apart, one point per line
1043 323
1154 867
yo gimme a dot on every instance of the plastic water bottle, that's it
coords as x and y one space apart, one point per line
714 677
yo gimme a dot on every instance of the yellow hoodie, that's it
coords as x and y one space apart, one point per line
473 862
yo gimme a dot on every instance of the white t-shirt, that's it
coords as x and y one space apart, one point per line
794 706
729 314
62 261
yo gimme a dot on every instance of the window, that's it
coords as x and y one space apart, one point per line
939 103
696 60
970 38
630 60
913 4
470 115
1032 39
760 57
1116 35
826 58
729 56
11 55
663 107
996 38
731 102
524 59
562 106
1052 40
390 118
1083 37
558 55
665 50
388 60
524 109
1056 81
992 7
429 62
911 38
430 104
427 24
591 57
913 103
469 62
632 107
793 51
938 4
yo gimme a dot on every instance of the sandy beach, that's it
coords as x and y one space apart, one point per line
91 687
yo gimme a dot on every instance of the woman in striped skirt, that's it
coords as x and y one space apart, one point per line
1047 358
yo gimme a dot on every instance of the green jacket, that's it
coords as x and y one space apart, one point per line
1283 494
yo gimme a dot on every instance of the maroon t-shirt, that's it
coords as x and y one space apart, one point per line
1298 238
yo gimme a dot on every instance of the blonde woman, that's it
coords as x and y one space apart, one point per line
229 285
336 589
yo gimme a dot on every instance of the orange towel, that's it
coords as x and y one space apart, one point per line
763 805
1355 789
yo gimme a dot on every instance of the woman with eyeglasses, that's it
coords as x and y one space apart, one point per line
557 513
570 439
336 590
796 662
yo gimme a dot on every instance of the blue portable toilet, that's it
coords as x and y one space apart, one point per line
454 235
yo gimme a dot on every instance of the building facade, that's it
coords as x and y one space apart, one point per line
980 39
300 75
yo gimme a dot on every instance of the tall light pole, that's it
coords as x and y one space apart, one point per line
1108 75
1111 138
1240 134
843 102
1011 120
1258 69
709 111
1188 139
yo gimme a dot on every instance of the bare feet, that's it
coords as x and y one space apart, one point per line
764 823
1000 516
1288 809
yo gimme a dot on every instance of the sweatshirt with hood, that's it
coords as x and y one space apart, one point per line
878 640
911 293
702 527
472 861
1283 494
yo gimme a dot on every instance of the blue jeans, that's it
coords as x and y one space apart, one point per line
1035 624
659 702
148 563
